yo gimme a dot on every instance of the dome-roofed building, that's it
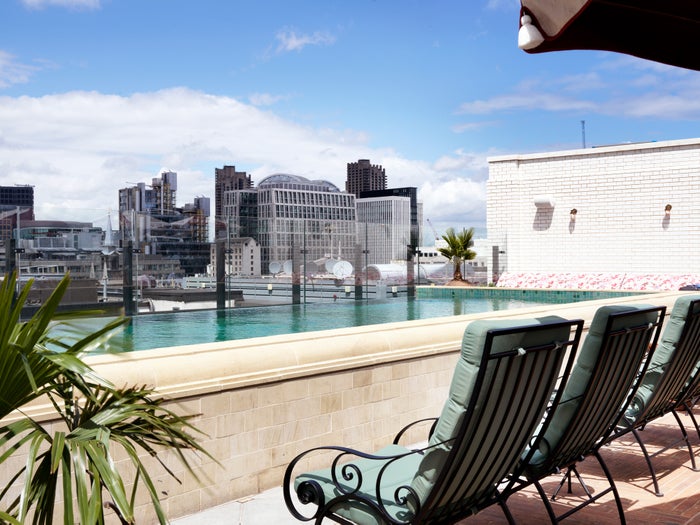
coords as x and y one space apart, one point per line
287 180
294 215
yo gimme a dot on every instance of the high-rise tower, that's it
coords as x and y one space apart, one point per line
363 176
227 179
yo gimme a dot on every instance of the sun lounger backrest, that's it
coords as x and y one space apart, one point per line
600 387
671 366
502 384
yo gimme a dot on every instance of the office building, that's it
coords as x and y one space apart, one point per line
296 217
226 179
363 176
150 219
384 228
240 213
416 210
241 255
16 203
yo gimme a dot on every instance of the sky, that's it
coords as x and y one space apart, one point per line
96 95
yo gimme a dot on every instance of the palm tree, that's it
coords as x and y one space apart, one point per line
27 366
76 463
458 249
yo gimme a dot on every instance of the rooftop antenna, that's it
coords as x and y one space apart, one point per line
583 133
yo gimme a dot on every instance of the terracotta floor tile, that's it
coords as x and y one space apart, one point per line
680 504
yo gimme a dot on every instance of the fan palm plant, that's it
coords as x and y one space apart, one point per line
76 463
458 249
27 365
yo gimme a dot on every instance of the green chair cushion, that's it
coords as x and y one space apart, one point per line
462 385
581 373
660 358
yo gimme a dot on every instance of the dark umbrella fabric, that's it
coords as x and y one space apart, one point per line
666 31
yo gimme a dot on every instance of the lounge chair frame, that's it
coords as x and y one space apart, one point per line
679 379
511 392
614 378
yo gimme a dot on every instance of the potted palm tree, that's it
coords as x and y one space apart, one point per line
458 249
76 464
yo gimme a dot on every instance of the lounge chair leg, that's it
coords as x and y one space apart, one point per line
650 466
505 509
547 505
687 441
618 501
688 408
567 478
564 479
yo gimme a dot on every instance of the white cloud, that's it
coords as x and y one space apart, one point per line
582 82
13 72
289 40
506 5
621 62
526 101
472 126
456 202
71 4
266 99
660 105
638 89
462 162
79 148
452 189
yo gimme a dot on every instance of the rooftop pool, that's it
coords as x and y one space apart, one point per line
206 326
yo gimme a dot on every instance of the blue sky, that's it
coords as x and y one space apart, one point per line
97 94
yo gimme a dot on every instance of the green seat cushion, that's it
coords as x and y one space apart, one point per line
660 358
400 473
463 380
581 373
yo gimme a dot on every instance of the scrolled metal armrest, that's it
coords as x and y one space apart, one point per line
411 425
311 491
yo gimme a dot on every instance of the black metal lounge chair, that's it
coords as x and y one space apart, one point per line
602 383
501 387
670 375
691 397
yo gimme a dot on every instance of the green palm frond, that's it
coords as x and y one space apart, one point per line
30 355
42 356
458 248
128 418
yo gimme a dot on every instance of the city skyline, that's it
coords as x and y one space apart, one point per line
95 94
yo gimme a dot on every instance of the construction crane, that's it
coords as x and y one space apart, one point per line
433 228
439 241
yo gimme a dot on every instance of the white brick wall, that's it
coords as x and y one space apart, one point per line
620 193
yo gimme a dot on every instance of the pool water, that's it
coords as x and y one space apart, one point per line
206 326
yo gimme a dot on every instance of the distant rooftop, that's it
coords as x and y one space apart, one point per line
287 180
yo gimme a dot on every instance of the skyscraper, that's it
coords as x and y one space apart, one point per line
384 227
16 202
226 179
416 207
363 176
150 219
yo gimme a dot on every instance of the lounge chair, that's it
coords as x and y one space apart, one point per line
670 375
502 385
601 386
691 397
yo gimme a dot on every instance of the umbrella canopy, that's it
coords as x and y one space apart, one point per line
664 31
